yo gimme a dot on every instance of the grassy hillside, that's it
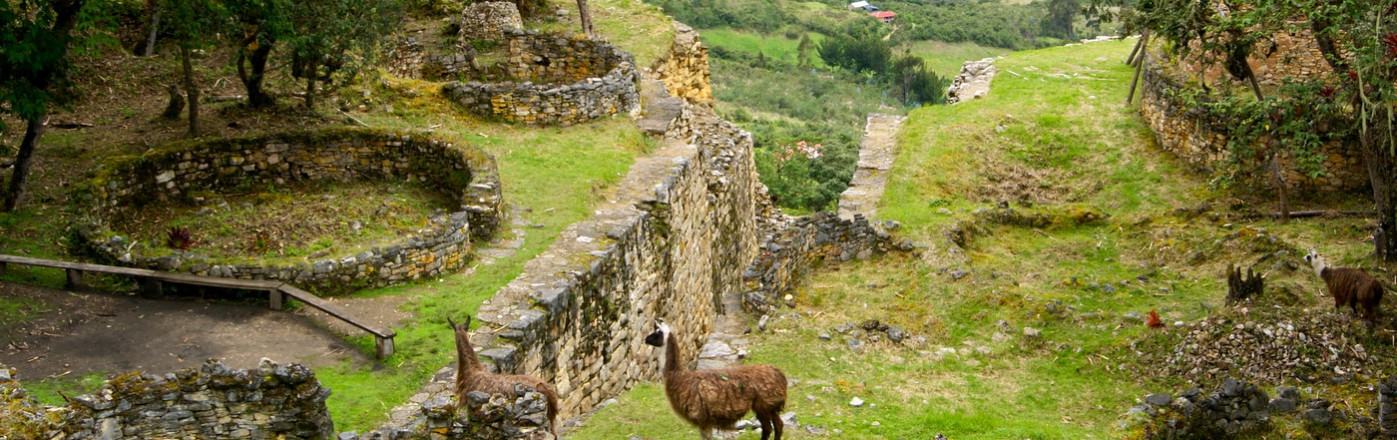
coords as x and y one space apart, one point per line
1124 229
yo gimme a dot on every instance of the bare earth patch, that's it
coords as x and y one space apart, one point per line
82 333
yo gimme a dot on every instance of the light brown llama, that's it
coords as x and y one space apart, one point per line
711 399
472 376
1349 287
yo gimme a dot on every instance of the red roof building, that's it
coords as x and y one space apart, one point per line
885 16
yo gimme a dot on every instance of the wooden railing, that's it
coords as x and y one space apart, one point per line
153 281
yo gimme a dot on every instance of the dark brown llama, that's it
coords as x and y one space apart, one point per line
1349 287
711 399
472 376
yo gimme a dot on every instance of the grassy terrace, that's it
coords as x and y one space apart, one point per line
1053 134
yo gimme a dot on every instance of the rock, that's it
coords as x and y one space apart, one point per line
1282 405
761 323
824 336
1288 392
745 425
1231 388
1133 317
869 325
855 344
1319 416
789 418
1031 332
856 402
896 334
1159 399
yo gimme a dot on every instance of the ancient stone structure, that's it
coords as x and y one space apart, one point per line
557 80
1295 55
172 173
1183 130
875 162
1236 408
489 20
212 402
973 82
412 59
437 416
685 70
790 253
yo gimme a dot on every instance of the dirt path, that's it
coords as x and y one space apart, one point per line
81 333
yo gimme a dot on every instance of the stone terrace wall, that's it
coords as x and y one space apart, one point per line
1295 56
212 402
579 80
1181 130
791 252
172 173
676 237
685 71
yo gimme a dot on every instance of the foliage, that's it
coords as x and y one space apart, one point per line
34 63
856 53
797 176
1058 21
337 36
995 24
764 16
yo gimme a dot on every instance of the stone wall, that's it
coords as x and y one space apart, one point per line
1184 131
677 236
973 81
685 70
789 254
212 402
1295 55
174 173
489 20
578 80
1387 407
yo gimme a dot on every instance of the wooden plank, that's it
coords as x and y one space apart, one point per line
78 266
334 310
232 283
74 280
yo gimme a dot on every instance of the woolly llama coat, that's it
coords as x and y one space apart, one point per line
711 399
472 376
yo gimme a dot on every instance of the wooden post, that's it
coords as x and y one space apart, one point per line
74 280
384 346
2 268
275 299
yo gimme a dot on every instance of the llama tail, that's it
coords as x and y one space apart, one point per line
553 414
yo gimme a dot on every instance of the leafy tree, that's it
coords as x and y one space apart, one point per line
915 84
332 35
1058 22
803 51
868 53
34 72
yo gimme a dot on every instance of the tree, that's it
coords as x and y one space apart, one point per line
332 35
191 23
1058 22
915 84
258 26
585 15
803 51
34 72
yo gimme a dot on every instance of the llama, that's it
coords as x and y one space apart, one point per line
472 376
1349 286
711 399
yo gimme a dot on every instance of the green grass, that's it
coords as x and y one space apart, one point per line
51 391
1061 130
774 48
641 29
946 58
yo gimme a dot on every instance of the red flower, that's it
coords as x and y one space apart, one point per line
1154 320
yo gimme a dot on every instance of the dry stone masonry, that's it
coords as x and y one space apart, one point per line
489 20
973 82
434 414
1182 129
793 250
685 71
876 153
213 402
174 173
557 80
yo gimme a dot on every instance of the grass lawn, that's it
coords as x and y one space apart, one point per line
1055 139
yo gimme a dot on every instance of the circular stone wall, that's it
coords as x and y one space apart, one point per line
560 80
171 173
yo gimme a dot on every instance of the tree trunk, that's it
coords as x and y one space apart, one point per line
154 29
1379 154
311 68
191 91
1280 187
1139 65
32 132
252 81
1139 45
586 17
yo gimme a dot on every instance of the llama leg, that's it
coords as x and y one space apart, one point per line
705 433
765 420
777 423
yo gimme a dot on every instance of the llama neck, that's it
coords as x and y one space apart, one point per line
465 354
1320 267
672 362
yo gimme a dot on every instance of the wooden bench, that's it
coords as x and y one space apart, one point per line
153 281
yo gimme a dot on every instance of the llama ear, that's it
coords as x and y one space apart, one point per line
450 323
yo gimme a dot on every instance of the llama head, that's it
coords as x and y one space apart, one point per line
1316 261
464 326
661 333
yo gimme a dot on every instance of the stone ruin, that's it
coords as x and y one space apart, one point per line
973 82
172 173
488 21
1242 409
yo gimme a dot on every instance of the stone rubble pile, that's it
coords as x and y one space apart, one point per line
1307 349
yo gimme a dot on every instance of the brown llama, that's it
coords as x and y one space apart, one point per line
1349 287
472 376
711 399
